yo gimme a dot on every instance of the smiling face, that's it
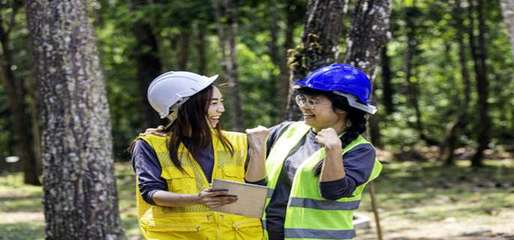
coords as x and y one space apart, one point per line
319 114
216 108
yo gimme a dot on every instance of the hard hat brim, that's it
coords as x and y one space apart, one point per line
352 101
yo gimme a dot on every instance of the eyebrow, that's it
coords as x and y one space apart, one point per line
216 99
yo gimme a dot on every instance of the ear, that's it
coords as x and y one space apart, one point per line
339 111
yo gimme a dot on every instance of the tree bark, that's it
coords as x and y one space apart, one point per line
319 47
387 86
455 127
80 199
368 34
227 28
183 51
482 86
507 7
201 50
16 95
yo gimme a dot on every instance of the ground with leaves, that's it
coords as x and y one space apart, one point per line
418 200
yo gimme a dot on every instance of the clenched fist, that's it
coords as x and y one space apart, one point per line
257 137
328 138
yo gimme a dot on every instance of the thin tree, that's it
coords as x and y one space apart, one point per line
507 7
80 199
146 56
294 15
455 127
411 14
184 39
226 17
387 85
200 29
16 95
479 53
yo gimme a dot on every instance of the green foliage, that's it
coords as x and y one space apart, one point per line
436 69
437 75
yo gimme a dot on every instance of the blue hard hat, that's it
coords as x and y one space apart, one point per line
344 80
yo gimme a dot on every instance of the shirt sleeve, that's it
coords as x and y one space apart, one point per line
358 165
261 182
148 171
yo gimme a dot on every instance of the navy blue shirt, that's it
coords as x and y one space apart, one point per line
358 165
148 169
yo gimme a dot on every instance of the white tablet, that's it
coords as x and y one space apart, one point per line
250 198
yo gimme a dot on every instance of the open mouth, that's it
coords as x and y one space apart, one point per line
214 119
308 116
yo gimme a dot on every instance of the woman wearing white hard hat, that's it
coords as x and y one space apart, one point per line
174 170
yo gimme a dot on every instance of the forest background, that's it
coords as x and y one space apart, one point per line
443 82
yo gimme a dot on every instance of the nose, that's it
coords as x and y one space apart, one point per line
306 105
221 108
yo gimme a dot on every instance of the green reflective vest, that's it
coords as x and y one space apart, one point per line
308 214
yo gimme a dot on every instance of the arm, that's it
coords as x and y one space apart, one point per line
148 171
154 189
257 141
333 167
358 165
208 197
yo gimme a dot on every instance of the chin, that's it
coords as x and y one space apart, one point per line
308 121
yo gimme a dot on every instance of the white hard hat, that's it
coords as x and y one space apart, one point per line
171 89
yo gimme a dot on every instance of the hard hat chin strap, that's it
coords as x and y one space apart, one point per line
174 111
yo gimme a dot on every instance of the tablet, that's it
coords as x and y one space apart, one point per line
250 198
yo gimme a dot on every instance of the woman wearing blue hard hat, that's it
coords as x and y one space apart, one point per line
317 168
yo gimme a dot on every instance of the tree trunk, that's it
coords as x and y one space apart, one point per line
293 16
410 67
80 199
507 7
227 28
320 44
148 63
412 88
368 35
200 43
387 87
455 128
16 95
273 48
482 85
183 51
374 129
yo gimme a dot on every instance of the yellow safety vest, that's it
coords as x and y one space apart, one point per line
197 221
308 214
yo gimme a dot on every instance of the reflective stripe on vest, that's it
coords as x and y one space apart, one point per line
196 221
308 215
323 204
318 234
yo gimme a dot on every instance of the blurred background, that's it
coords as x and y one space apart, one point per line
444 89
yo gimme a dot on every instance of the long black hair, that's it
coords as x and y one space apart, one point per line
356 119
191 123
